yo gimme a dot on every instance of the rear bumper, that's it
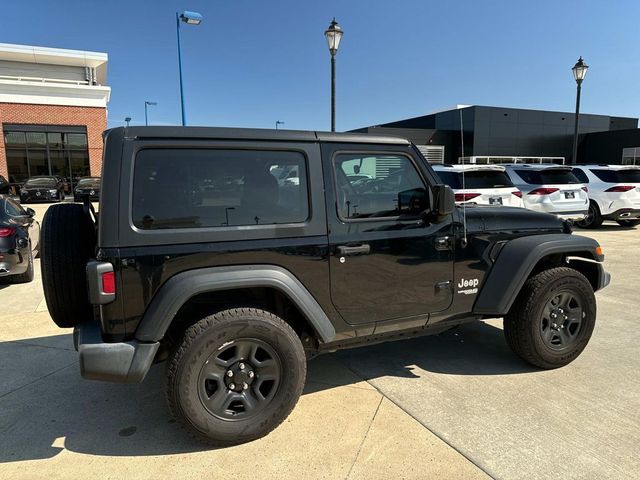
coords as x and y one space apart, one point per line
123 362
576 215
623 214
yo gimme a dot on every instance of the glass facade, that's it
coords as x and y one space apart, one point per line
46 150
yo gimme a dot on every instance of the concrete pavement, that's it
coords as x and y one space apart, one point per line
458 405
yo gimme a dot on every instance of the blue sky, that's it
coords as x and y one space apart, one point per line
252 62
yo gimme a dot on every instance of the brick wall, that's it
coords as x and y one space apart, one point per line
94 118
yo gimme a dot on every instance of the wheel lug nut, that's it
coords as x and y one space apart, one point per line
241 366
229 373
250 374
245 386
232 386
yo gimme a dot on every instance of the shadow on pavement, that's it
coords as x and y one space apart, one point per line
57 408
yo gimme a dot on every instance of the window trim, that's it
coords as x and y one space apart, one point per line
226 228
397 218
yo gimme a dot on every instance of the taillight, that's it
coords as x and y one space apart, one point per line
517 193
465 197
620 188
543 191
7 231
109 282
586 189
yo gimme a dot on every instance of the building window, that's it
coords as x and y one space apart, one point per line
34 150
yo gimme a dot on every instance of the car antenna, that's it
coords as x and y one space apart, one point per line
463 243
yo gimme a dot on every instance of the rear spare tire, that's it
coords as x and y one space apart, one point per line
68 241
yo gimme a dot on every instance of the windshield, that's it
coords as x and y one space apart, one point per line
41 182
549 176
618 176
476 179
89 182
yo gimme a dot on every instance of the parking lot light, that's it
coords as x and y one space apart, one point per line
334 35
146 104
190 18
579 72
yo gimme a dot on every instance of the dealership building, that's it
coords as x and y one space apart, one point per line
53 110
505 135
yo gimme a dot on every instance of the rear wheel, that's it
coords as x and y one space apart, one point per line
552 319
27 276
593 218
235 376
67 243
628 223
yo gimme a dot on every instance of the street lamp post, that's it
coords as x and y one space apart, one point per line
146 104
127 120
278 122
190 18
334 35
579 72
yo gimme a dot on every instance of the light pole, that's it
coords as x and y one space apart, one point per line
579 72
127 120
334 35
146 104
190 18
278 122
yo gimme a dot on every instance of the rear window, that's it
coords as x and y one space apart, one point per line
618 176
548 177
476 179
197 188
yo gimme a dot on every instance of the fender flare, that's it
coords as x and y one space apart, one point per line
515 262
176 291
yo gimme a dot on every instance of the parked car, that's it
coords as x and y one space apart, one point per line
614 194
551 189
19 240
87 188
42 189
5 186
483 184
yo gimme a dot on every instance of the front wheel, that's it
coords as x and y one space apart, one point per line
235 376
552 320
628 223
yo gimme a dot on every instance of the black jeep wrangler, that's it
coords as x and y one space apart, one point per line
236 255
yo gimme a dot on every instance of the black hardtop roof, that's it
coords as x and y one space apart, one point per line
224 133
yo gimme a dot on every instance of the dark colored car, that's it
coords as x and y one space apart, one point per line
5 186
19 241
42 189
238 286
87 188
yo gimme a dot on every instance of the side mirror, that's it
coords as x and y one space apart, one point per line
444 200
31 212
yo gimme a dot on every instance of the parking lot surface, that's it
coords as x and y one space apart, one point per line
457 405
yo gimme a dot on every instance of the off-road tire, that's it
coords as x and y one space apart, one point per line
522 323
594 217
205 338
628 223
27 276
67 242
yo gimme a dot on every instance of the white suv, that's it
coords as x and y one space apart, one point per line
551 189
614 191
483 184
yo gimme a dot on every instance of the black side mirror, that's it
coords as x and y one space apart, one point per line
31 212
444 200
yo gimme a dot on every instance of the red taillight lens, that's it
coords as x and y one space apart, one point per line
465 197
543 191
108 282
7 232
620 188
517 193
586 189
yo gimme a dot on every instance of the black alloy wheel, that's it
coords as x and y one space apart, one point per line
593 219
561 321
239 379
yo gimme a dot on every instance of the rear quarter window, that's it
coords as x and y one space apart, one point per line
199 188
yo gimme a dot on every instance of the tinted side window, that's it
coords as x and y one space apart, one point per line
450 178
196 188
13 209
373 186
486 179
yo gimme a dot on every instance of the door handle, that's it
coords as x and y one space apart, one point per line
344 250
